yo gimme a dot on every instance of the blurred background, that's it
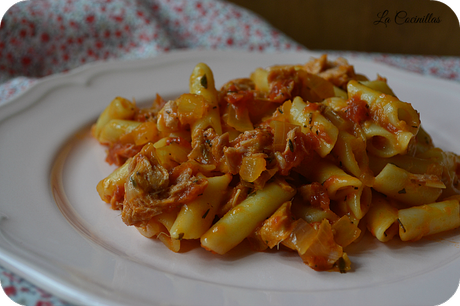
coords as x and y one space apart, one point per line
390 26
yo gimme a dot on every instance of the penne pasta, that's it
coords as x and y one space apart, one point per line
390 124
381 219
311 121
388 109
407 162
159 227
418 221
111 189
352 155
336 181
383 143
115 129
202 83
412 189
379 85
196 217
356 203
119 108
242 220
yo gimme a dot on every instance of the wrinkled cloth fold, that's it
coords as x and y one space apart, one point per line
40 38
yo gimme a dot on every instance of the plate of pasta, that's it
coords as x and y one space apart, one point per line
234 178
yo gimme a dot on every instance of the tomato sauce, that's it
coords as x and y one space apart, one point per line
357 110
120 152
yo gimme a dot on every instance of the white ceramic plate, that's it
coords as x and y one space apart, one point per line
56 232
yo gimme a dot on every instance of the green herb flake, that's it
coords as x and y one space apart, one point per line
204 81
291 145
342 265
133 181
402 226
205 214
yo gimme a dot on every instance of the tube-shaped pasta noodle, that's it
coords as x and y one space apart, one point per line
356 202
336 103
310 120
412 189
240 222
115 128
142 134
202 83
423 142
280 134
419 221
159 227
381 218
195 218
388 109
152 229
393 123
383 143
119 108
109 186
379 85
351 153
340 93
337 118
314 87
409 163
336 181
312 214
167 219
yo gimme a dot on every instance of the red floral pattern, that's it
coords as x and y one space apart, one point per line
24 293
43 37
